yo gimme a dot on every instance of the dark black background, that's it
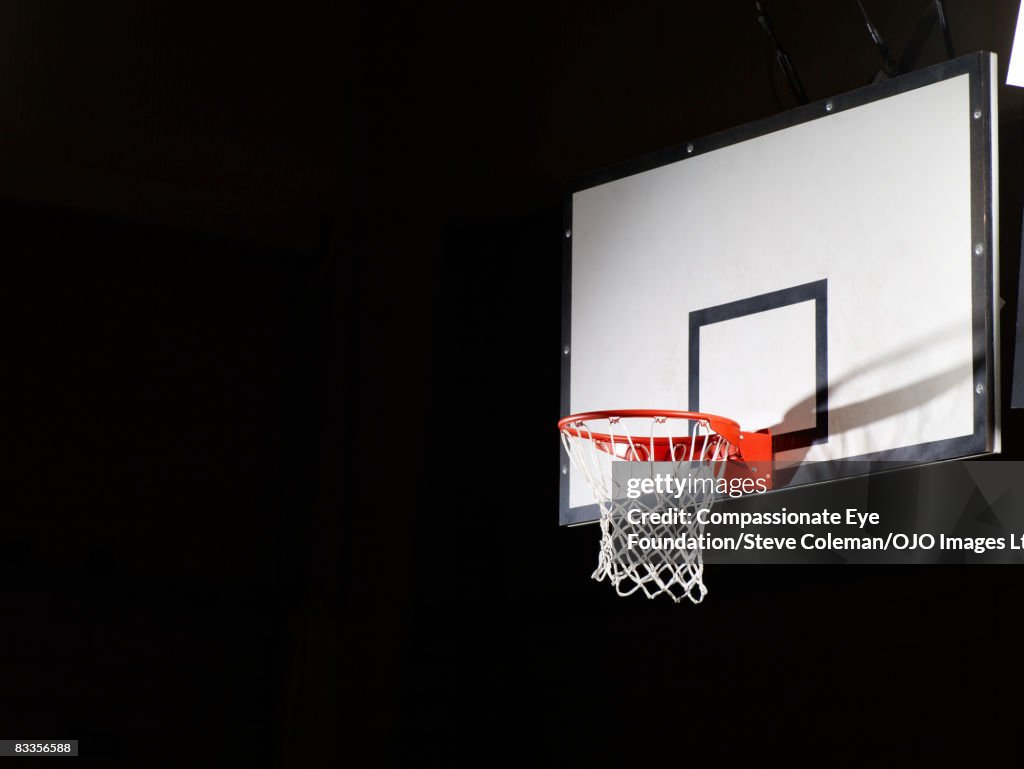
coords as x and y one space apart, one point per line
283 289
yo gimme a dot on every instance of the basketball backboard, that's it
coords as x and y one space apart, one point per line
828 273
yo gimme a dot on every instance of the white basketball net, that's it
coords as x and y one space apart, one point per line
676 567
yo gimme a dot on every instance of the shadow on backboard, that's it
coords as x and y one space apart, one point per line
860 414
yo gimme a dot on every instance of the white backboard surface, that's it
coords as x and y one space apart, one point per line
1015 72
821 280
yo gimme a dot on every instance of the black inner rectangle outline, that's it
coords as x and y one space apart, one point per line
817 292
978 68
